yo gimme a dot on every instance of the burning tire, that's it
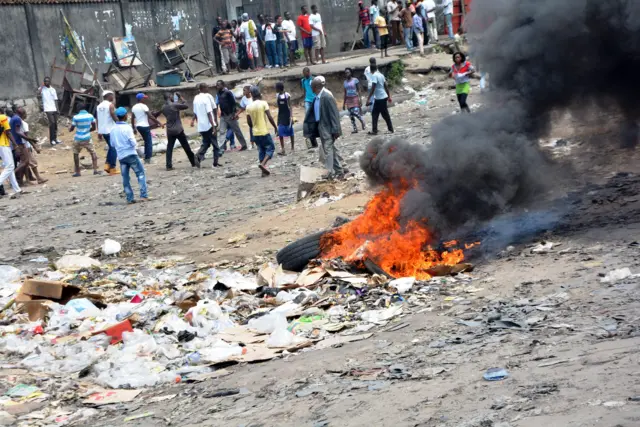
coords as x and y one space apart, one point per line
296 255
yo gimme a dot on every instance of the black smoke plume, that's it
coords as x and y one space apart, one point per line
542 56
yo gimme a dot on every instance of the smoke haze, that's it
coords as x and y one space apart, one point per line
541 55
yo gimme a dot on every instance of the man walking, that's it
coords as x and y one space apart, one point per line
306 32
448 16
6 139
407 26
175 131
323 120
257 116
50 107
365 22
106 120
125 145
228 114
141 120
22 149
291 36
83 123
381 98
204 110
318 33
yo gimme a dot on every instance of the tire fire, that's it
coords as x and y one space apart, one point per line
400 249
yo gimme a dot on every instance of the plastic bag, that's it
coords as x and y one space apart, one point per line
9 274
403 284
207 317
111 247
268 323
233 279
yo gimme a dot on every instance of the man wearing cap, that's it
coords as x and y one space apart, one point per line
323 120
106 120
140 122
124 143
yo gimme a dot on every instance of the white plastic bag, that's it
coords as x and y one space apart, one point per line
111 247
268 323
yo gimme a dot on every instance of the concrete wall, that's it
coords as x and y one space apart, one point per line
17 73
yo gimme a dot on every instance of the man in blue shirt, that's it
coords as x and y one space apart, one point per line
122 139
309 97
22 147
83 123
381 97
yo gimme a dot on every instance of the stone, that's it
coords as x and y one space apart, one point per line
308 178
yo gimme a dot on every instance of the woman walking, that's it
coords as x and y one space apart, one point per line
461 71
352 100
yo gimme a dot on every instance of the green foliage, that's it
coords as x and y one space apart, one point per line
395 73
299 54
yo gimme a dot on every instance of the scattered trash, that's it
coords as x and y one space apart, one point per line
495 374
616 275
403 285
109 397
21 390
76 262
137 417
111 247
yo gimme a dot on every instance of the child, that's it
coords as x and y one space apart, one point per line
285 117
309 97
352 99
257 115
381 25
461 71
244 103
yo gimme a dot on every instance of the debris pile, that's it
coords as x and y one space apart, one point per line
88 327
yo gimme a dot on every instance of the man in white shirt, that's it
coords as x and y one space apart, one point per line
50 107
249 33
204 112
140 119
290 27
106 118
447 5
432 25
124 143
394 18
317 33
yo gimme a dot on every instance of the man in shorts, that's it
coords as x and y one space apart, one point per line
318 34
306 32
83 123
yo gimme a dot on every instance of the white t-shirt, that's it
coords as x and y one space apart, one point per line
49 98
315 20
201 108
428 5
245 102
244 27
392 9
448 7
140 111
288 24
269 35
105 121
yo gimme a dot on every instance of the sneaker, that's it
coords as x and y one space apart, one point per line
147 161
197 161
59 142
97 172
53 143
107 168
115 171
131 202
277 66
77 174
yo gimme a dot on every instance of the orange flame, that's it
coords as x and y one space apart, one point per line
402 250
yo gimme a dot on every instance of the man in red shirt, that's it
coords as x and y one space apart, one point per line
365 20
305 30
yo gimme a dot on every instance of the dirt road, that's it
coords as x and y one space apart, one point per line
571 356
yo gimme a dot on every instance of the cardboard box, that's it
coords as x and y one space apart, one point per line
35 296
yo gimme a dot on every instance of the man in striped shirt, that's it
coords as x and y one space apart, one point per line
83 123
224 37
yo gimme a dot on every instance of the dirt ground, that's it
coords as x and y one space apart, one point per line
575 364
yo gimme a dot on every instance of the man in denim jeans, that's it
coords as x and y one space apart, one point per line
447 5
365 21
125 144
141 121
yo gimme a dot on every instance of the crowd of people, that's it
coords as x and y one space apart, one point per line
272 42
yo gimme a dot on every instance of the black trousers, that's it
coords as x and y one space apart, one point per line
380 108
462 100
182 139
52 118
209 140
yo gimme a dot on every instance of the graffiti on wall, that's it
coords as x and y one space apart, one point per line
172 20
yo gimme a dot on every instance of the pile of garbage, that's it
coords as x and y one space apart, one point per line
127 326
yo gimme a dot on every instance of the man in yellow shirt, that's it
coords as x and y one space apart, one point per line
383 30
7 157
257 115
